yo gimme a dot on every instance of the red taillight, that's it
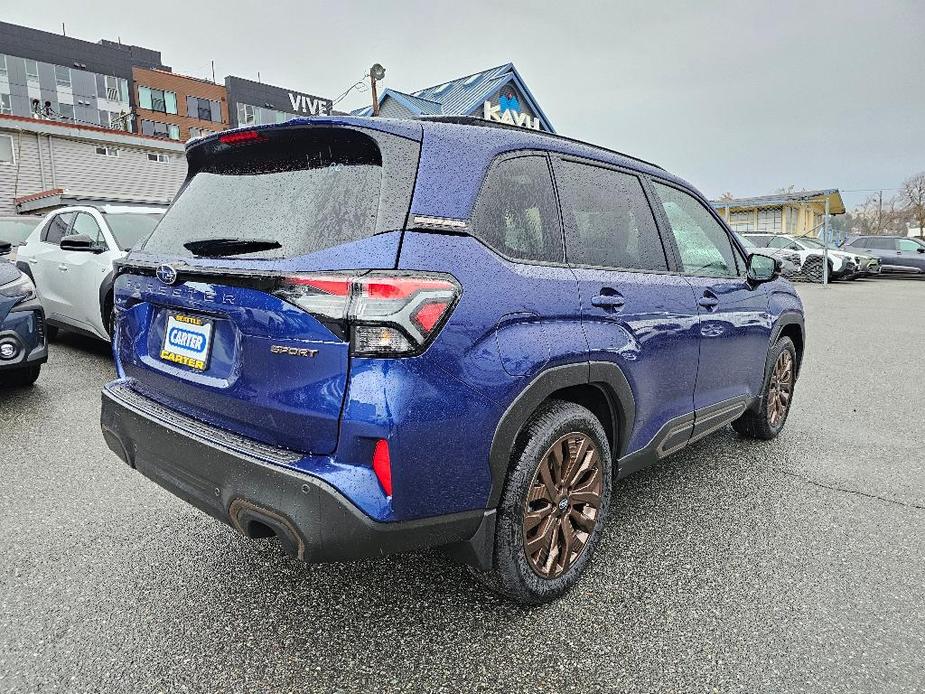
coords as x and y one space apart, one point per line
382 466
387 314
242 137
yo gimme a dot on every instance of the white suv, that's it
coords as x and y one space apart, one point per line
841 264
69 257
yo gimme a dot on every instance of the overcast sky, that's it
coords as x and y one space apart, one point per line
744 97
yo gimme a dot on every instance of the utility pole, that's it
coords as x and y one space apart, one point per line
880 214
825 244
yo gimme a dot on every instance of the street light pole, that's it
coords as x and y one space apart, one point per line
825 244
376 73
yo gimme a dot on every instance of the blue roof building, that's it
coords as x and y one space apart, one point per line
497 94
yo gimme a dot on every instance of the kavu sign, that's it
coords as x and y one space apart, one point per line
506 107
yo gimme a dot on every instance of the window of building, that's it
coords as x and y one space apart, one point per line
62 76
516 211
203 109
66 111
6 106
742 220
2 64
200 132
7 155
158 157
155 129
32 70
702 242
607 219
157 100
769 221
245 114
107 151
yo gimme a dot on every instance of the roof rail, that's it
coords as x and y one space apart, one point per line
480 122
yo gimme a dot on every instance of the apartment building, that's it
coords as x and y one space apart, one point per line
53 77
178 107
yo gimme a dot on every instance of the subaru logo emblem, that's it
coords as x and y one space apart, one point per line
166 274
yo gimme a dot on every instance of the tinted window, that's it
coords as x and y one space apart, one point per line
516 210
607 219
306 189
881 244
57 227
85 224
759 240
704 247
907 245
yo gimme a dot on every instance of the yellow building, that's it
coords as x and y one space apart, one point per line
799 213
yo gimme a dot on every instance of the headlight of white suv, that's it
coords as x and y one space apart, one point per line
20 289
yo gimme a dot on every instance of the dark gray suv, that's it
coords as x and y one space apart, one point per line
896 253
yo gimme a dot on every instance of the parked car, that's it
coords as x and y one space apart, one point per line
841 265
365 335
69 257
23 344
790 261
14 229
897 254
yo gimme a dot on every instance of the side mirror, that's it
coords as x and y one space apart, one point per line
920 249
79 242
762 268
5 247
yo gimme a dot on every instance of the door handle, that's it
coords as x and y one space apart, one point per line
708 301
33 261
62 268
609 299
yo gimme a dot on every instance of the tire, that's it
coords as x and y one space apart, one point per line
565 513
21 378
768 420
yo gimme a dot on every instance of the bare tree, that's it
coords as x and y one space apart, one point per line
912 196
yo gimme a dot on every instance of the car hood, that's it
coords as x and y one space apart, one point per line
8 272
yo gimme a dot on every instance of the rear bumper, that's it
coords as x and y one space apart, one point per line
216 472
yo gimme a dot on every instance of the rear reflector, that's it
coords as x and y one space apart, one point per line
385 314
382 466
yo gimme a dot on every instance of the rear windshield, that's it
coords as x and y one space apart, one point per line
288 192
130 229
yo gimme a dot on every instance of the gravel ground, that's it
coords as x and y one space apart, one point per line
793 565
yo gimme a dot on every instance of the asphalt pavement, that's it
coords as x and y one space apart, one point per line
787 566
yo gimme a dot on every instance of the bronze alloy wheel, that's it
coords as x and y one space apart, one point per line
780 389
562 505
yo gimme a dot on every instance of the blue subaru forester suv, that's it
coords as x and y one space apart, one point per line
364 336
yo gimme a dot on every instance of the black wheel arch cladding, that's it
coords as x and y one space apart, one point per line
606 376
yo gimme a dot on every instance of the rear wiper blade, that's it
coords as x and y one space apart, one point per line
218 248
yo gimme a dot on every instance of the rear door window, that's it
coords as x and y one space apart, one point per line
289 192
516 211
608 222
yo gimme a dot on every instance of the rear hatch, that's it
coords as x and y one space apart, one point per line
210 323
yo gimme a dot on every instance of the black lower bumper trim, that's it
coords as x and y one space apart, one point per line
313 520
